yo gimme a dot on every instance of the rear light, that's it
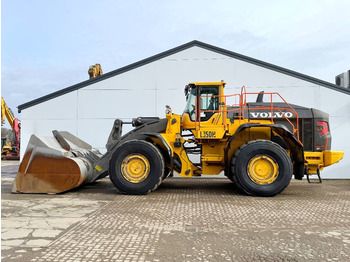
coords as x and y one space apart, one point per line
323 126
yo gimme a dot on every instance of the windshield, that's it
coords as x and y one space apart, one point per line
190 106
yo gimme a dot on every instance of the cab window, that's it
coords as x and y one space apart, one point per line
209 101
191 101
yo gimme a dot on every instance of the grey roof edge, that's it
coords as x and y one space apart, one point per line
106 75
176 50
275 68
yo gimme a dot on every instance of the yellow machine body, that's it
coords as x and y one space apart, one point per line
10 146
318 160
214 134
95 71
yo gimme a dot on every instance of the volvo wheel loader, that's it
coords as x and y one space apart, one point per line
259 146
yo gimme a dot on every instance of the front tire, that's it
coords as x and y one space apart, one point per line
261 168
136 167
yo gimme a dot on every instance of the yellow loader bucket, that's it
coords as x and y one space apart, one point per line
55 164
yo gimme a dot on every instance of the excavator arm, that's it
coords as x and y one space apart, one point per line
6 112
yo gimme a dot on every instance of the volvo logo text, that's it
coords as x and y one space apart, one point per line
268 114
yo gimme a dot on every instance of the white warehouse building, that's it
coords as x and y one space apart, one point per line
145 87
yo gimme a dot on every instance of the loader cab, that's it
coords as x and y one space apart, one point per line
207 97
208 101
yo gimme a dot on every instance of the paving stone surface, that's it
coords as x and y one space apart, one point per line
184 220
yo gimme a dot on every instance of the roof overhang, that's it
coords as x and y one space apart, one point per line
176 50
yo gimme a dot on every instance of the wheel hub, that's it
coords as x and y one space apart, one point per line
263 170
135 168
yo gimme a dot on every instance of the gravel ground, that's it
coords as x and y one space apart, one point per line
198 219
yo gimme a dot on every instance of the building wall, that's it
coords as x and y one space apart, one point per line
89 112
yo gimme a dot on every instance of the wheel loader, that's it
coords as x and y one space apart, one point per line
258 145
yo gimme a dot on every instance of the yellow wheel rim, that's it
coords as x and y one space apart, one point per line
135 168
263 170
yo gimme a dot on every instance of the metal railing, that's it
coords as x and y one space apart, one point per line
241 108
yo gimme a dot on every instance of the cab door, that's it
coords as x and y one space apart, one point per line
204 113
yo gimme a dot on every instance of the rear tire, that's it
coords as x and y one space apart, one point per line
261 168
136 167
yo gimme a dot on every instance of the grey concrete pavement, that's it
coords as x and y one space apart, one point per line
184 220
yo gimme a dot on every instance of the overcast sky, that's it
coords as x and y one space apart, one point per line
49 45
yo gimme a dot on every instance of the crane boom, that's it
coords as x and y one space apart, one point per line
6 112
